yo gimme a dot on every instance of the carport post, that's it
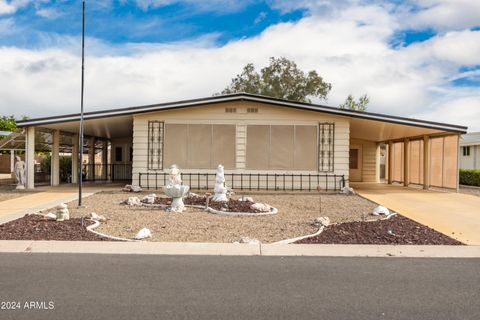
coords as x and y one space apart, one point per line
55 159
458 162
426 162
75 158
406 162
30 157
389 161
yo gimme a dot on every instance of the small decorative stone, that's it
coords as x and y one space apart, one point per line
51 216
96 217
143 233
149 198
262 207
248 240
132 188
322 221
246 199
380 210
133 201
348 191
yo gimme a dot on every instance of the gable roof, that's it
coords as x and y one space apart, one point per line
242 97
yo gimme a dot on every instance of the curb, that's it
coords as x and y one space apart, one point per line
232 249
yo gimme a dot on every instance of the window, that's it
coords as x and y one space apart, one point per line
200 146
326 141
466 151
353 158
284 147
118 154
155 145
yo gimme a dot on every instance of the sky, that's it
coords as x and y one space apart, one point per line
418 59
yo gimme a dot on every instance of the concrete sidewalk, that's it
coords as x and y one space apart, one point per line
232 249
48 197
454 214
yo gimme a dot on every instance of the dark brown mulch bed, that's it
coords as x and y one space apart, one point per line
191 201
230 206
233 206
36 227
396 230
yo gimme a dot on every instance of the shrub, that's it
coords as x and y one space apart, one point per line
470 177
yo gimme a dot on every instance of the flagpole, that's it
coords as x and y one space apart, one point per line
80 149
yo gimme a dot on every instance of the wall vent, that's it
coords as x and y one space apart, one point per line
231 110
252 110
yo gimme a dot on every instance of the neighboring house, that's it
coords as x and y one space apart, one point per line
470 151
263 142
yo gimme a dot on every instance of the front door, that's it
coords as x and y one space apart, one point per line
355 163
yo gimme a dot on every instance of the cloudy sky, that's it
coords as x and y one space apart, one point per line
413 58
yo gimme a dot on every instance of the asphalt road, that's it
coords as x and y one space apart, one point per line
88 286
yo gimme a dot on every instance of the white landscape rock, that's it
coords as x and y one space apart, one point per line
247 199
96 217
248 240
348 191
51 216
133 201
143 233
380 211
263 207
132 188
322 221
149 198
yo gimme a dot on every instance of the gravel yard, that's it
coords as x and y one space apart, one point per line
295 217
8 192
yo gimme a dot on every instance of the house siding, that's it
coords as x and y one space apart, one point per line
370 156
215 114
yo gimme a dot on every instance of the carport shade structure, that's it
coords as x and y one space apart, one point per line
418 151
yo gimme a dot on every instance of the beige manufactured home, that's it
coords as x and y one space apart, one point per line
263 142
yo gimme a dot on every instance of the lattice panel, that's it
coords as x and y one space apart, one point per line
326 143
155 145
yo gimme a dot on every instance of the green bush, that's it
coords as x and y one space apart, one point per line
470 177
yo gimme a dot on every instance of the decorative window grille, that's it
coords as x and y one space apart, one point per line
155 145
326 143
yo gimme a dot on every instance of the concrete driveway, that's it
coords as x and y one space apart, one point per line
454 214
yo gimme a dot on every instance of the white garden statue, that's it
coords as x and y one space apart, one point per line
20 173
220 187
176 190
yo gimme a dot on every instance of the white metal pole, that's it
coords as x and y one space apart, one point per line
80 147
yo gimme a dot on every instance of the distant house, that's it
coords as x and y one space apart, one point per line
263 142
470 151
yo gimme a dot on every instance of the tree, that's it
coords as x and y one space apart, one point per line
351 104
280 79
8 123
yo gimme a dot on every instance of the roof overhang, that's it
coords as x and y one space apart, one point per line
243 97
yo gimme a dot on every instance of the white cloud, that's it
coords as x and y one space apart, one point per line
349 49
9 7
200 5
49 13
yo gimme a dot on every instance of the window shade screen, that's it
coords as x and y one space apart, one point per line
199 146
282 147
155 145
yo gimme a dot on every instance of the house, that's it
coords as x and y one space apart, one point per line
470 151
263 142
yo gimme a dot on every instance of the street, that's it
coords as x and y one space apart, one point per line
96 286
